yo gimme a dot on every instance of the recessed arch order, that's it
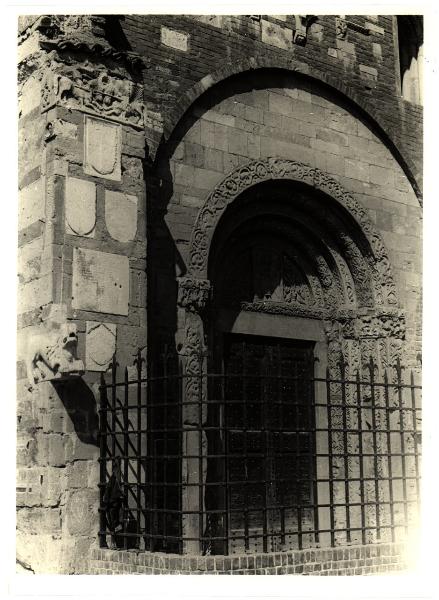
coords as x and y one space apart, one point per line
258 171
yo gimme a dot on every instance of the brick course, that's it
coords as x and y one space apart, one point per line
354 560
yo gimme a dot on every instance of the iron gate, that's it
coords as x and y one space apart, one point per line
257 460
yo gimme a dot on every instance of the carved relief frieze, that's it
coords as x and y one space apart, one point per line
193 294
283 308
94 90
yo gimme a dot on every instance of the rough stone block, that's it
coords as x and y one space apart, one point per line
205 179
80 203
100 281
30 97
31 204
381 176
81 512
237 142
276 35
100 345
369 72
280 104
213 159
29 260
121 215
174 39
102 148
34 294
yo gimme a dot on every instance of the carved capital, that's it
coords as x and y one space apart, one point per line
193 294
385 325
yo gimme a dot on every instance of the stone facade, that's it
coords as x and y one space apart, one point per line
145 133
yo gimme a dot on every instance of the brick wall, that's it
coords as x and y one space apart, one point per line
354 560
186 54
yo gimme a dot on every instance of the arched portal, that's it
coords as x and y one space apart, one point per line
285 270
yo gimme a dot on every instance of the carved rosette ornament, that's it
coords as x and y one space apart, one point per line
193 294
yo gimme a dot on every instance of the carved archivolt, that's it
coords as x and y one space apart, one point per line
270 169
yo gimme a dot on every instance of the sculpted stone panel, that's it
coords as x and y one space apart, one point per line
100 281
102 149
80 203
193 294
100 93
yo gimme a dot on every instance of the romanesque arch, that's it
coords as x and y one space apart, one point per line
242 66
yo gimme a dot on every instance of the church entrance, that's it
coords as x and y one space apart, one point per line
269 422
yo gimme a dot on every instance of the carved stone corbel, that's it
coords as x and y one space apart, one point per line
302 23
52 353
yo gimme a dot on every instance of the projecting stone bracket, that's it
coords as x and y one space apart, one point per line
52 353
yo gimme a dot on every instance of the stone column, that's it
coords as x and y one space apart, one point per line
82 256
193 295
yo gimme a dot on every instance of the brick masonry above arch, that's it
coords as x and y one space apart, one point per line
175 114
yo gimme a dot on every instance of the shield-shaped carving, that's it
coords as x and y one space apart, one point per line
100 345
102 154
121 215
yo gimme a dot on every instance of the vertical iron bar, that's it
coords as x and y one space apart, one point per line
165 447
345 450
415 441
299 456
103 460
360 455
279 459
125 453
225 432
139 502
401 434
330 464
266 472
312 428
245 427
200 454
374 446
389 454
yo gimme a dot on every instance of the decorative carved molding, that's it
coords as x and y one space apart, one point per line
341 28
384 325
302 23
52 353
193 294
282 308
342 25
258 171
93 90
